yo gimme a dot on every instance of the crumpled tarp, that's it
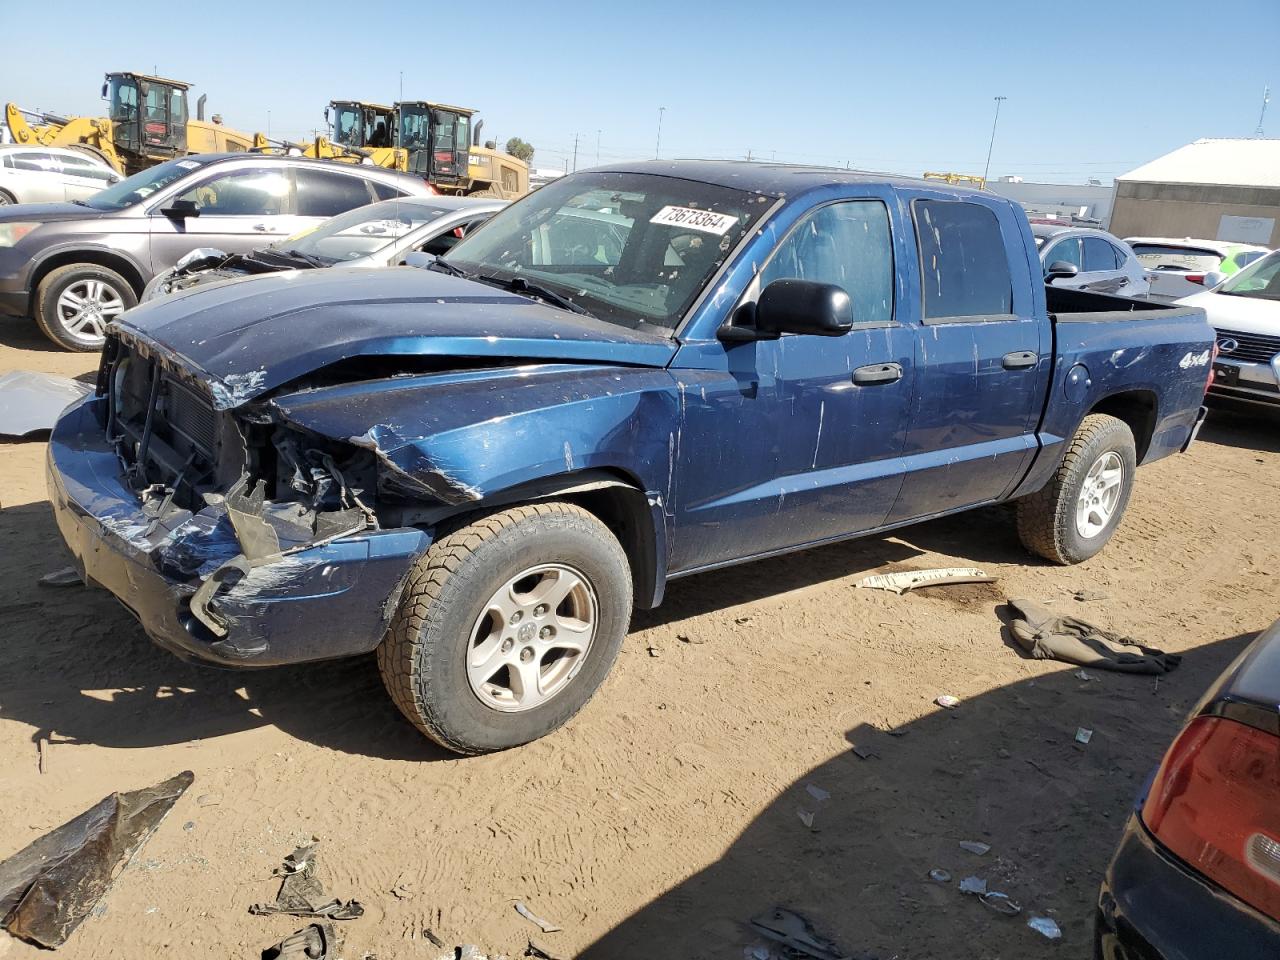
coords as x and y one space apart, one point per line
301 893
49 887
31 401
1046 635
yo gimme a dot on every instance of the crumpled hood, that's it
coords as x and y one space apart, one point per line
251 336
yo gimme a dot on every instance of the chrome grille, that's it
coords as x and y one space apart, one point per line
1254 347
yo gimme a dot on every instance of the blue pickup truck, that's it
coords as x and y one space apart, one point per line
478 467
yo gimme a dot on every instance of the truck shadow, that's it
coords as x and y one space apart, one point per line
21 333
1002 769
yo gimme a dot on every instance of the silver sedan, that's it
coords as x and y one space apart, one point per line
379 235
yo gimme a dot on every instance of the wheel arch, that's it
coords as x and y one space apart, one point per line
97 256
1138 409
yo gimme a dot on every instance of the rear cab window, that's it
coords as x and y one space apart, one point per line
964 269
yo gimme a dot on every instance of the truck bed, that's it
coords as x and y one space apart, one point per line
1067 305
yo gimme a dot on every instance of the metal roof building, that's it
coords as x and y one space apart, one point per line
1210 190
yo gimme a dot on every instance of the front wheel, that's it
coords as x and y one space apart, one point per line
75 303
507 627
1077 511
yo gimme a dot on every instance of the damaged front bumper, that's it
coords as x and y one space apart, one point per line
315 602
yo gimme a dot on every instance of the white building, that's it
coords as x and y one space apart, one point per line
1069 201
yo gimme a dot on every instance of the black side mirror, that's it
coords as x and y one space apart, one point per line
803 306
181 209
1060 270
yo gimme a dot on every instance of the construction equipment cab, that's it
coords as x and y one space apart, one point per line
360 125
150 122
438 139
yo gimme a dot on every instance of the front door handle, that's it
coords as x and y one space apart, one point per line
877 373
1020 360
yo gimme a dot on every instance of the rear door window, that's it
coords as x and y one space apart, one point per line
323 193
963 266
384 191
846 244
1099 255
35 161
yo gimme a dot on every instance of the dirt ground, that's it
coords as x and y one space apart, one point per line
666 815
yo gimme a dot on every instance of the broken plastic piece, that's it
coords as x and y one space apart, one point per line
938 875
50 886
301 893
975 847
900 583
817 792
1046 926
973 885
1083 735
795 932
806 817
1086 676
31 402
66 577
545 925
947 701
1001 903
316 942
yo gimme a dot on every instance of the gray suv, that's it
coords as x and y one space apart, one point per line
77 266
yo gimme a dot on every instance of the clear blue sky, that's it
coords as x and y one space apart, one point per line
1093 88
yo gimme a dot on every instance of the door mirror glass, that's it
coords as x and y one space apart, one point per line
181 209
1060 270
803 306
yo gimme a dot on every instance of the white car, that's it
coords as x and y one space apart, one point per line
1245 311
1177 267
50 174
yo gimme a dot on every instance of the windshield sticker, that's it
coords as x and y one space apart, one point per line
703 220
188 165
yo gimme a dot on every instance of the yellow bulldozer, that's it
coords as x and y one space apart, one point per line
147 123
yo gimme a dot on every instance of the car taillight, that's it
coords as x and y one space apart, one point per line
1194 278
1216 804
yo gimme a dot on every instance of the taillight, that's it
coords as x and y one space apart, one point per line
1194 278
1216 804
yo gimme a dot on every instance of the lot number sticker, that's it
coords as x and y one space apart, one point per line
702 220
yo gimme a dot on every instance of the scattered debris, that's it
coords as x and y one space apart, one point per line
209 799
66 577
864 753
653 651
1001 903
301 893
1086 676
42 755
795 932
34 401
1046 636
403 891
973 885
316 942
817 792
806 817
1083 735
431 937
975 847
50 886
1087 596
1046 926
938 875
947 701
900 583
546 926
687 639
189 825
542 951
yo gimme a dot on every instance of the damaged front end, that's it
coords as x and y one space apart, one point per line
219 516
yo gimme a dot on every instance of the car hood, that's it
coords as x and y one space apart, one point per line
246 338
49 212
1241 314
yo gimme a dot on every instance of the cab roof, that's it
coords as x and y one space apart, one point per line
180 84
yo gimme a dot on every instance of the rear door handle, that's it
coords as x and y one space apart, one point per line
877 373
1020 360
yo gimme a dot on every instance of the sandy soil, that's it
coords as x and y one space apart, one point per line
665 815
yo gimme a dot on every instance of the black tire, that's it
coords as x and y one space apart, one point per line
423 656
486 193
53 286
7 198
1047 519
91 151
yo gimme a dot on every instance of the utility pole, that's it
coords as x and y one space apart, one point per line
598 132
1266 98
575 153
991 146
657 150
401 87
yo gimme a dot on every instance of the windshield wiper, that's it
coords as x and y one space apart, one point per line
305 258
533 289
446 267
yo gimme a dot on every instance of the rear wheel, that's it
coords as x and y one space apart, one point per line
507 627
1077 511
7 198
74 304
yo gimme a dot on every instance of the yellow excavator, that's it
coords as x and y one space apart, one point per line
147 123
362 133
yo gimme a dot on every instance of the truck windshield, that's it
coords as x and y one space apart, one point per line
1259 281
141 185
632 249
123 99
363 231
415 124
348 125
